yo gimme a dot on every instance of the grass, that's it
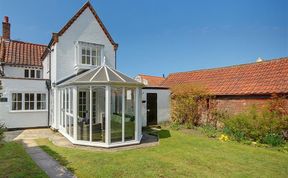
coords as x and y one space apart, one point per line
15 162
180 154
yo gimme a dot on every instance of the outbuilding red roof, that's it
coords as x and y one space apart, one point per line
21 53
264 77
152 80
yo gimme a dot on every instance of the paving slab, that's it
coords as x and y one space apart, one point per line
48 164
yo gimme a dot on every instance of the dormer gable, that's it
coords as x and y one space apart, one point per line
87 5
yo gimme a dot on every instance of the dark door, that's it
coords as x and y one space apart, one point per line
151 108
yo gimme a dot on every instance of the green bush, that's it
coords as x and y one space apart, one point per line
255 125
273 139
2 129
188 103
209 131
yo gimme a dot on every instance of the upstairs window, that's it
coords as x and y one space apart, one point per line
32 73
90 54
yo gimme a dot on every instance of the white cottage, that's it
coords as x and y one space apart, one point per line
71 85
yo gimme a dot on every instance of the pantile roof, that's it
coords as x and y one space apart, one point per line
264 77
152 80
21 53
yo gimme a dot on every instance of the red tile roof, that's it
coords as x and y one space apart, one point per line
21 53
152 80
264 77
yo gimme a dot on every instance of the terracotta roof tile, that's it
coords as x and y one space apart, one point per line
264 77
152 80
14 52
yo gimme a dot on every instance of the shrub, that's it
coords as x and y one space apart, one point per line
273 139
2 129
255 124
209 131
187 104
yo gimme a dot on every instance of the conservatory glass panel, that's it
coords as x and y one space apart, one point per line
130 106
98 114
83 120
116 114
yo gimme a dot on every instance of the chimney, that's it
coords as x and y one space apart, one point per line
6 28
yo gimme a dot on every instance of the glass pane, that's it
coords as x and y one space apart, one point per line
83 121
32 73
71 101
83 51
83 59
38 74
94 52
94 61
26 73
98 115
39 105
26 97
88 60
130 106
116 115
26 105
71 124
31 105
19 105
67 123
31 96
14 104
19 97
14 96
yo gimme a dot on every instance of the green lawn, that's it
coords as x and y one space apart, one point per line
180 154
15 162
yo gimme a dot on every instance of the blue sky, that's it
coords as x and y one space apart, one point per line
163 36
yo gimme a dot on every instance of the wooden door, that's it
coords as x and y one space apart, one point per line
151 108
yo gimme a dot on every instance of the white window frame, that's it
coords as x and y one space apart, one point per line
35 73
90 46
16 101
23 102
42 101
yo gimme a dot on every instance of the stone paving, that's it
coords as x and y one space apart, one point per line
48 164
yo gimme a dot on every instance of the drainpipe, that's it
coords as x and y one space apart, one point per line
49 86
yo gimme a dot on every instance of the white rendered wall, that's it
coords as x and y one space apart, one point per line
163 105
85 29
22 119
17 72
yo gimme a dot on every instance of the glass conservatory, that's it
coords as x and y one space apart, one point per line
101 107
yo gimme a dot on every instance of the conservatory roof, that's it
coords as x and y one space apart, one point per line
101 75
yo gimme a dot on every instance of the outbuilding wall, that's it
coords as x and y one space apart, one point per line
238 104
163 105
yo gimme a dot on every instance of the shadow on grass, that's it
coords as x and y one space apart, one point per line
164 134
161 133
62 160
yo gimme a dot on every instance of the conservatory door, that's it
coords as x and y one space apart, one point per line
83 126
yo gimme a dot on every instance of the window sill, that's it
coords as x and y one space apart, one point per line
80 67
25 111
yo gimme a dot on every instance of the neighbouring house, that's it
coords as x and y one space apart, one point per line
238 87
155 100
70 85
